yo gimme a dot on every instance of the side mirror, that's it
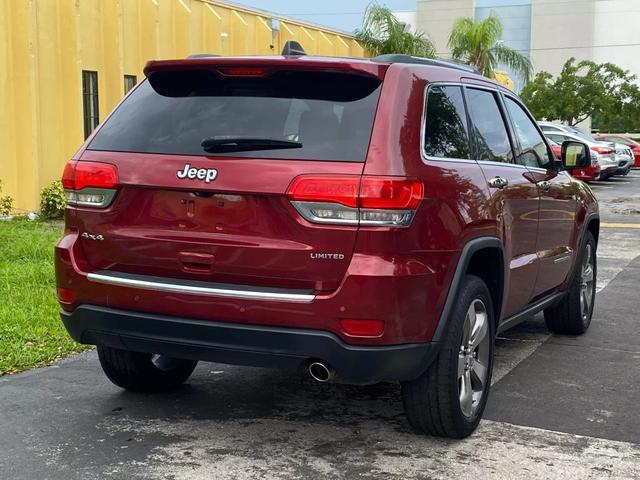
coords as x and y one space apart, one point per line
575 155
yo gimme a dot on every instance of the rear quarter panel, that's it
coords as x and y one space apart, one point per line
587 209
457 205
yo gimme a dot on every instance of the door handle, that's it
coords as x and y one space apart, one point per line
498 182
544 185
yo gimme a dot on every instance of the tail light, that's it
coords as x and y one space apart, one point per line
602 150
90 184
356 200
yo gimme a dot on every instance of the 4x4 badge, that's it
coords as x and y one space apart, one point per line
90 236
206 174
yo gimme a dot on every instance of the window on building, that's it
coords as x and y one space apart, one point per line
90 101
445 129
129 82
492 140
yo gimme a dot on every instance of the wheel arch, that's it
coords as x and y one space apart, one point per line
483 257
590 224
593 226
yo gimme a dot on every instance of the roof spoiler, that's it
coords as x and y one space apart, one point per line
292 48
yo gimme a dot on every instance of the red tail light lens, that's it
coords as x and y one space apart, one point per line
356 200
362 328
69 176
79 175
390 193
333 189
602 150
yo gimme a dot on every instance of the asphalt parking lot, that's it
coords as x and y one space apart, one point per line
560 407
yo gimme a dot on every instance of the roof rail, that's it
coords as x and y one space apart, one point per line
203 55
398 58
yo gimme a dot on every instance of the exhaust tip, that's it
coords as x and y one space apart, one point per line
320 372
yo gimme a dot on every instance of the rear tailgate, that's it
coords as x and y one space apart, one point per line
223 215
240 228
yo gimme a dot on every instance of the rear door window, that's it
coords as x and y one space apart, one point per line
330 114
490 132
445 127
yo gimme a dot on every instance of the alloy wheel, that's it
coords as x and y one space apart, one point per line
587 283
474 358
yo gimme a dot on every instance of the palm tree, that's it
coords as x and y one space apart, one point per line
383 33
480 44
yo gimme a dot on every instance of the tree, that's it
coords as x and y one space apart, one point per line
383 33
582 90
623 115
479 44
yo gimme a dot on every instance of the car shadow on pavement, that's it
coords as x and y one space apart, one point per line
222 392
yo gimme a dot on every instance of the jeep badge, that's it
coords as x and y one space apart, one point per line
206 174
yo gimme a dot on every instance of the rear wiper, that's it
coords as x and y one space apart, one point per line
243 144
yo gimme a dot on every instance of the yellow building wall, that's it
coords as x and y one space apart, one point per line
45 45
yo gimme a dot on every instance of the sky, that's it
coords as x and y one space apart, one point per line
340 14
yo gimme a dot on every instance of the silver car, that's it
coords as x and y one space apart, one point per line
624 157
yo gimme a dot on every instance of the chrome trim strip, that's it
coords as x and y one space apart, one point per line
196 290
503 164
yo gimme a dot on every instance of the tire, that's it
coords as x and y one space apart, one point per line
144 372
572 315
433 402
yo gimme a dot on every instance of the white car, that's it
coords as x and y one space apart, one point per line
604 152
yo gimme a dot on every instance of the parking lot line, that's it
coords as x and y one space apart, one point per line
620 225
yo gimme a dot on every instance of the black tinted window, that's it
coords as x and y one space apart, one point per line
534 149
330 114
445 130
492 140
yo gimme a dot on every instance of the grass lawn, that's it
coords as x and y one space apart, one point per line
31 333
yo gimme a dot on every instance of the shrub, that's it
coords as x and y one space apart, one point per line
6 203
53 201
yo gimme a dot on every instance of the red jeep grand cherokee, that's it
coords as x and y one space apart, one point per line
364 219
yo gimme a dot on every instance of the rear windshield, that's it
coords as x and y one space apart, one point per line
330 114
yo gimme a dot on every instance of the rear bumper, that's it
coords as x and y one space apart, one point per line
592 172
263 346
406 292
